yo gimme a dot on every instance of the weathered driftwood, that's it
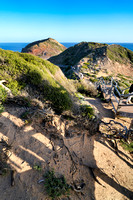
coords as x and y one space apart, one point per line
6 88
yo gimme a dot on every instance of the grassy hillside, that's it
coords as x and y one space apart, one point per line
74 54
94 51
21 70
120 54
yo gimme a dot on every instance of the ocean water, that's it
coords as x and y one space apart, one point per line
18 46
126 45
13 46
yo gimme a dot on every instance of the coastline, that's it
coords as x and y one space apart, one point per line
18 46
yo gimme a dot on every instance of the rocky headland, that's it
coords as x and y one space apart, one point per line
44 48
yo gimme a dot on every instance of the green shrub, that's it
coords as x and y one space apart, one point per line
87 111
1 108
58 96
107 78
128 77
34 77
15 87
93 75
88 74
121 84
131 82
126 91
84 67
25 115
126 146
79 96
126 83
37 168
93 80
85 88
55 187
3 94
87 63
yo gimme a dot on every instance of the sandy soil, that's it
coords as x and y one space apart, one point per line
69 149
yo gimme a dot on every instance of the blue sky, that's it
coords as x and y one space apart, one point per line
66 21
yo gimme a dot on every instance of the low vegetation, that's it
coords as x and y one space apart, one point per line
94 52
1 108
126 146
86 88
85 66
124 82
37 168
107 78
93 80
55 187
120 54
3 96
87 111
4 156
25 70
73 55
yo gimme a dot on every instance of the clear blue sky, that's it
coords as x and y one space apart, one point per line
66 21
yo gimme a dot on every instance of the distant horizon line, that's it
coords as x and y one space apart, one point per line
73 42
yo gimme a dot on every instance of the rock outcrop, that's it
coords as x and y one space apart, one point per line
44 48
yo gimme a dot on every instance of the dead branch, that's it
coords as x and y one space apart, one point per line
6 88
122 133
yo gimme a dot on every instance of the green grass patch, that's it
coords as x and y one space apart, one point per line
3 97
107 78
87 111
93 80
1 108
84 67
55 187
122 84
37 168
93 75
126 146
87 74
79 96
86 64
3 94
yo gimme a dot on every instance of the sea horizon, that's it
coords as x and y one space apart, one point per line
17 46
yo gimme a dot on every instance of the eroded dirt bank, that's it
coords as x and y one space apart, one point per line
71 149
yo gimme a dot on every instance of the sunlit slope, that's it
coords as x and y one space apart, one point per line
22 70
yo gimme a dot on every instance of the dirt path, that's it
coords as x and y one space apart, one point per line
105 111
43 143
